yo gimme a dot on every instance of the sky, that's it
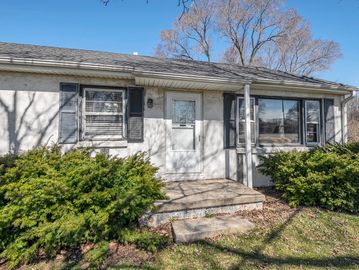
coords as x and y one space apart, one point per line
128 26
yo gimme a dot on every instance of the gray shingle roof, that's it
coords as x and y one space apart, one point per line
155 64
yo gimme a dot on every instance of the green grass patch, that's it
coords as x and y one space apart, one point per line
308 239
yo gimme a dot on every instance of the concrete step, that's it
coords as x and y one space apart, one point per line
195 199
188 195
196 229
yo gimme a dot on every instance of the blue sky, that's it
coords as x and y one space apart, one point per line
132 25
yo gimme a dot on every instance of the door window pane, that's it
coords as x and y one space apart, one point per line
278 121
312 117
183 125
183 112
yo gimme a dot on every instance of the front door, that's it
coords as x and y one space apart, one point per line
183 142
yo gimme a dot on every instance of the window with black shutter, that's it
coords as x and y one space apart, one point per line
103 114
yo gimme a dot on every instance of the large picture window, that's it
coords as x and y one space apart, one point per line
278 121
103 114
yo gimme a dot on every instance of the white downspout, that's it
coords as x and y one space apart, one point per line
344 116
248 135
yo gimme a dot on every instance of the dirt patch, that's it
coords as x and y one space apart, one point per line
274 209
164 229
127 255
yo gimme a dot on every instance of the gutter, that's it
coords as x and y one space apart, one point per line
63 64
132 72
343 116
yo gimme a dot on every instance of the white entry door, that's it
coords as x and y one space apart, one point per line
183 142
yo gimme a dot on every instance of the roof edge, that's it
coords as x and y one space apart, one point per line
133 72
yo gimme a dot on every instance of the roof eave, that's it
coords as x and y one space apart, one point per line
280 84
128 72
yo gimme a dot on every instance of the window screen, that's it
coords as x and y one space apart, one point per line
183 125
103 114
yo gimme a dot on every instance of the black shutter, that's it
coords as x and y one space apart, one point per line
229 109
68 113
135 114
329 120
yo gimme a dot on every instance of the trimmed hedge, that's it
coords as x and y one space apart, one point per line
50 200
326 176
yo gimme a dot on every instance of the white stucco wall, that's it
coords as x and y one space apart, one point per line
29 117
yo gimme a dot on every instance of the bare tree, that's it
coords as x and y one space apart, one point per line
180 3
257 32
250 25
191 35
297 52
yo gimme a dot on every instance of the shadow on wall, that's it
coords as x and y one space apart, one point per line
26 126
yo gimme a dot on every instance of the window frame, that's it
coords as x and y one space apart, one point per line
83 113
302 122
320 123
301 141
254 121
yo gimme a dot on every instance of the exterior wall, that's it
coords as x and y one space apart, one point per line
29 106
213 144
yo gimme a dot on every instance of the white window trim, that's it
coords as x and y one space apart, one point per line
319 131
84 114
253 134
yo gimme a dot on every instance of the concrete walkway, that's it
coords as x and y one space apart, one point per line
196 229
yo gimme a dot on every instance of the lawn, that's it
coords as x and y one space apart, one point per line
284 238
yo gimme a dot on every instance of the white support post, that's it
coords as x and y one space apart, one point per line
248 135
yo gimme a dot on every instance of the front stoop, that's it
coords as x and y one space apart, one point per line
195 199
197 229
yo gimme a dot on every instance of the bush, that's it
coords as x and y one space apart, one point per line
51 200
326 176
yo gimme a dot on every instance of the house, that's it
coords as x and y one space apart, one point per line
196 120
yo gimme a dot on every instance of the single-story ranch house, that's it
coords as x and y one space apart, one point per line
196 120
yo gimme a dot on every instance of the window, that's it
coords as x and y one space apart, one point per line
312 121
278 121
242 120
183 125
103 114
